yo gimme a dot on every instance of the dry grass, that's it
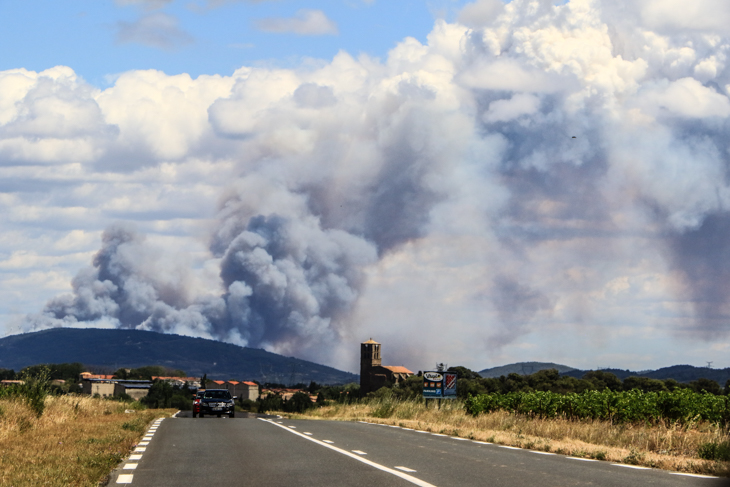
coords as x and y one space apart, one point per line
76 442
669 448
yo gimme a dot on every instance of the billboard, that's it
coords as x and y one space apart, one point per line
439 385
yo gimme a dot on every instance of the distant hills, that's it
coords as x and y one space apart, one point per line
680 373
109 350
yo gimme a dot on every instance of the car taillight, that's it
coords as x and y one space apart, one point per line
197 401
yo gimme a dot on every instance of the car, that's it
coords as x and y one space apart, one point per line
218 402
196 403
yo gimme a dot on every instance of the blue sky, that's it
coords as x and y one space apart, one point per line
200 37
470 182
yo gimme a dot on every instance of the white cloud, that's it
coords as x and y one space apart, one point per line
305 22
158 30
528 184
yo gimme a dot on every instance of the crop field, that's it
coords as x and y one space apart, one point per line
683 406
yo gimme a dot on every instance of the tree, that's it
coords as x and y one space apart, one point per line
603 380
708 385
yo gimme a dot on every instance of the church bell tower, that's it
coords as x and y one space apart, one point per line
369 358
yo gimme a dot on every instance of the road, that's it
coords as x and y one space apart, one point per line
272 451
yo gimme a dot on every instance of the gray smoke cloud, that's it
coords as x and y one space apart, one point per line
532 167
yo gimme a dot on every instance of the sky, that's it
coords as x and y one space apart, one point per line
473 183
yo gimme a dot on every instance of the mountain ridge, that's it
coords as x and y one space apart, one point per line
111 349
680 373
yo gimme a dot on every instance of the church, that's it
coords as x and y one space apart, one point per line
373 375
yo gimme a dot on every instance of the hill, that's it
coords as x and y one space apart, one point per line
680 373
104 349
523 368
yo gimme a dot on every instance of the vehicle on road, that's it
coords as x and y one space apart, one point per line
218 402
196 403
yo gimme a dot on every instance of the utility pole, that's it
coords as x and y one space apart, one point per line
709 365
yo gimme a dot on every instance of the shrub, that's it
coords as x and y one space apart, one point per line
715 451
35 388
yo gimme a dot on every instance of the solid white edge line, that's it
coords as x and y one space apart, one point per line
630 466
482 442
437 434
457 438
511 447
405 469
582 459
693 475
542 452
402 475
359 452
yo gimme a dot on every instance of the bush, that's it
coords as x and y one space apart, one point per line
715 451
35 388
298 403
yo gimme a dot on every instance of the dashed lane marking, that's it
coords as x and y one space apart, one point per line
515 448
582 459
437 434
419 431
359 452
125 478
481 442
404 476
630 466
460 439
140 449
135 457
293 427
308 433
143 443
328 441
405 469
542 452
130 466
693 475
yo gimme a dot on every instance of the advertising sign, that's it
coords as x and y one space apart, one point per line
432 385
439 385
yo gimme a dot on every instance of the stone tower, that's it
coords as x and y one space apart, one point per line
369 358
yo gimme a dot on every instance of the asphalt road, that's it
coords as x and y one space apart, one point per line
254 451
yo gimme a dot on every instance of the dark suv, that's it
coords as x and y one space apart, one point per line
217 401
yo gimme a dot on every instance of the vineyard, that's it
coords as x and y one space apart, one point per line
681 406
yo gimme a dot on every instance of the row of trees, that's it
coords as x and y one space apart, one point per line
470 383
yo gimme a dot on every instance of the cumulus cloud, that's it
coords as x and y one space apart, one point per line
306 22
158 30
533 171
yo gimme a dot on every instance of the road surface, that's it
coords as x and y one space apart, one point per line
272 451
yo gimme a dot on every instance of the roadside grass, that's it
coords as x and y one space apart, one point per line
77 441
659 446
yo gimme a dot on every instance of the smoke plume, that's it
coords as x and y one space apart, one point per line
533 169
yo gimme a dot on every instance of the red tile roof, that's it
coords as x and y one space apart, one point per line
397 369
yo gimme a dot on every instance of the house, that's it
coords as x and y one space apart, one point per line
374 375
242 389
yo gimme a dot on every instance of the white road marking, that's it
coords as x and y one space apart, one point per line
328 441
408 429
308 433
630 466
693 475
393 426
409 478
512 448
542 452
140 449
293 427
481 442
125 478
143 443
419 431
364 422
457 438
405 469
581 459
437 434
135 457
359 452
129 466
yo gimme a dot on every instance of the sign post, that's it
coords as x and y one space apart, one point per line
439 385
